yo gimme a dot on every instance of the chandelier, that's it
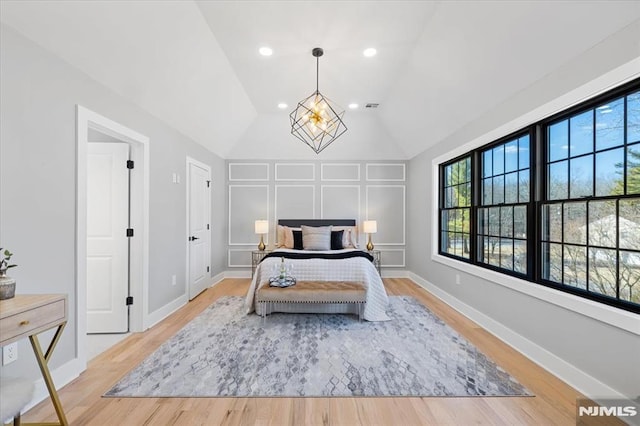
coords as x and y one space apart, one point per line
317 121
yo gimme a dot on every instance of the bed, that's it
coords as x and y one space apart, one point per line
343 265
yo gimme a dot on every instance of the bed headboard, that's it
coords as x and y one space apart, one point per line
296 223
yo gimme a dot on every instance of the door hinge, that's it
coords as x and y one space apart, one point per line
208 183
129 300
207 226
207 269
130 232
129 164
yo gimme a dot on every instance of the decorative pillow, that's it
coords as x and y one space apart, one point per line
288 237
297 240
353 236
316 237
280 236
336 240
350 236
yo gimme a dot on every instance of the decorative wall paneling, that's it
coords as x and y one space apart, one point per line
333 190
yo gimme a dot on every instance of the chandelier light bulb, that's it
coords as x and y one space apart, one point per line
369 52
265 51
316 120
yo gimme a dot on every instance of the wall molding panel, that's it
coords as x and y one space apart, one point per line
340 172
244 172
391 257
340 202
247 203
294 202
298 172
386 204
240 258
386 172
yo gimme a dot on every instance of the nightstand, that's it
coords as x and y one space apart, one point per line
376 259
256 257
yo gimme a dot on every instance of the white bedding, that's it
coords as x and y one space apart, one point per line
353 269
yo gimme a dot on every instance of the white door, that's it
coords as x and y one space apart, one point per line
107 241
198 227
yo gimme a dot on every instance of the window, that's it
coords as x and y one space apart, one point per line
502 215
456 209
557 203
591 216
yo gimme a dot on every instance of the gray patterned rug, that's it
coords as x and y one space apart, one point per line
224 352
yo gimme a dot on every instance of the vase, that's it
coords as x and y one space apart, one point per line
7 286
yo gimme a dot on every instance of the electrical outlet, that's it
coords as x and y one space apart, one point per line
173 280
9 353
457 278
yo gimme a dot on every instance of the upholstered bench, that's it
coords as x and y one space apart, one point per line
325 292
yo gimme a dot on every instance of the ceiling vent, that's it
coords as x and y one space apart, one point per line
371 105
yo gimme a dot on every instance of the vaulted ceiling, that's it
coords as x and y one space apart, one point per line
440 65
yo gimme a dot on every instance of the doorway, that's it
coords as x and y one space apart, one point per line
107 236
198 227
90 124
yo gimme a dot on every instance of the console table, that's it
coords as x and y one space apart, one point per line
27 315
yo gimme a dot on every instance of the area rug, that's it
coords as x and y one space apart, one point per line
224 352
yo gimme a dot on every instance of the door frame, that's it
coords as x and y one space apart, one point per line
192 161
139 210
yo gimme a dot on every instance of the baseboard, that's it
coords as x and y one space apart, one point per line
395 273
237 274
158 315
576 378
61 376
217 278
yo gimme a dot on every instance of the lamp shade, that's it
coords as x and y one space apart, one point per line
262 226
370 226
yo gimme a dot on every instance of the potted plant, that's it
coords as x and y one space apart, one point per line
7 284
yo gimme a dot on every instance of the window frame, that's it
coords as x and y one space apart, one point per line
477 205
538 197
441 208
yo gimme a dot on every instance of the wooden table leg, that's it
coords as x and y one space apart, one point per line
43 360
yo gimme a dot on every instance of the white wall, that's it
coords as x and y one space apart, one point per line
38 97
316 189
593 355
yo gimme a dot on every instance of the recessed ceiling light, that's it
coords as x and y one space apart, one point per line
265 51
353 106
369 52
282 105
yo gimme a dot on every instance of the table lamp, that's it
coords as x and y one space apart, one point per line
261 227
370 227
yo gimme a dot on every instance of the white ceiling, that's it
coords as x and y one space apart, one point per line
440 65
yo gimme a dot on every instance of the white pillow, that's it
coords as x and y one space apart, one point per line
349 237
316 237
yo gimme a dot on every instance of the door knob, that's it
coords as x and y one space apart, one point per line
193 238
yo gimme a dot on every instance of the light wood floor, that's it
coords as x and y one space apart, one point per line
554 401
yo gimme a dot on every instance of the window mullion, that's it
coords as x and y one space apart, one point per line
476 195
